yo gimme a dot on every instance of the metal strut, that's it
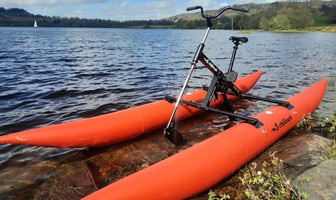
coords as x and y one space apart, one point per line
170 131
250 120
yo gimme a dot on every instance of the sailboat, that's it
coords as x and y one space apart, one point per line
35 24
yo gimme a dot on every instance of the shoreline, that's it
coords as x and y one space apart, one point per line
327 29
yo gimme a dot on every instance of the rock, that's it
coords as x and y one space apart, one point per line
300 152
14 181
318 182
70 181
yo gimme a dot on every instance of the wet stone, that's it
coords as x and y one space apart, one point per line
124 159
318 182
70 182
301 152
15 181
118 161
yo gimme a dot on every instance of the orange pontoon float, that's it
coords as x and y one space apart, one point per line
117 126
200 167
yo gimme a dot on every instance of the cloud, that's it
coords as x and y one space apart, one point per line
124 4
209 4
116 9
12 3
203 3
47 2
109 9
124 10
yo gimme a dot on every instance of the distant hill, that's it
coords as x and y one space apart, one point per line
14 12
318 7
296 14
278 15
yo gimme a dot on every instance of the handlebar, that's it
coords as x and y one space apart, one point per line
212 17
194 8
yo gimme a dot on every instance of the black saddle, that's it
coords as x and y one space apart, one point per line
238 40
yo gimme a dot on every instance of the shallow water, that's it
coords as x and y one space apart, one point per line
54 75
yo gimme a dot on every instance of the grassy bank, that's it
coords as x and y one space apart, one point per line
323 28
330 29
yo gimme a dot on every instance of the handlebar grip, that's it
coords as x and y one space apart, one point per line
194 8
240 9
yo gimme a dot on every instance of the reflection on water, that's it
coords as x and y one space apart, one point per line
53 75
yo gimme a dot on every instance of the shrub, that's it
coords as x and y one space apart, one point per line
268 181
330 123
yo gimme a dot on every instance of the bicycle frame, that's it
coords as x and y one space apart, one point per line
221 82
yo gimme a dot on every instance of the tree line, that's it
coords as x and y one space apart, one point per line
272 16
21 18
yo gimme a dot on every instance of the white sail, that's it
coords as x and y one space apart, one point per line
35 24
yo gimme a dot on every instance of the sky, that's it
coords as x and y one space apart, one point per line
117 9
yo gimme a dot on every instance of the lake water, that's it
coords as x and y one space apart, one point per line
54 75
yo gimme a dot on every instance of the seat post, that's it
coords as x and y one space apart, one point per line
233 57
236 41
